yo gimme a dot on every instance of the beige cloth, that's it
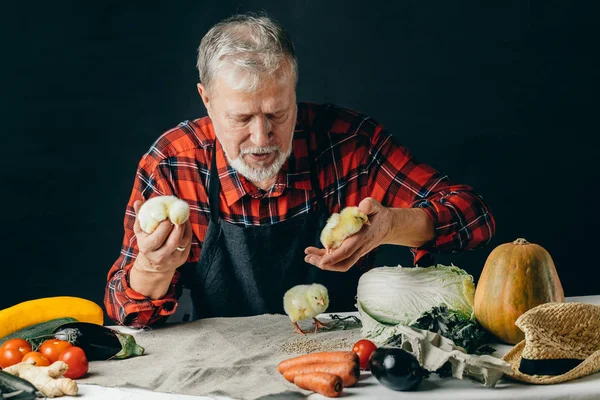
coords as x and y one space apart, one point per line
234 357
238 357
433 350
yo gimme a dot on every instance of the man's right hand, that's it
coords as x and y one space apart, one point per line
158 256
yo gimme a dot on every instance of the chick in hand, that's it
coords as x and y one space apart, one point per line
306 301
341 226
159 208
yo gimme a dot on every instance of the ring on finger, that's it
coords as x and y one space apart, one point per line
179 248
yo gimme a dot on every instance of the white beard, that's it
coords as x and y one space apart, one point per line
254 174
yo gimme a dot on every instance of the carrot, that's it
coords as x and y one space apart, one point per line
327 384
318 357
348 371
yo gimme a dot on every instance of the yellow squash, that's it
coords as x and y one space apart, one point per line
516 277
36 311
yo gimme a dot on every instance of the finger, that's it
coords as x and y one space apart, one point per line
312 259
315 251
187 235
368 206
340 267
137 205
186 239
345 264
175 239
348 247
156 239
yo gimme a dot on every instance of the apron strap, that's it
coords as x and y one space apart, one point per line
315 181
214 187
321 127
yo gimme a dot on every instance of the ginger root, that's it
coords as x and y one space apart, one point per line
48 380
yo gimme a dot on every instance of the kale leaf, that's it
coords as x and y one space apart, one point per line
464 332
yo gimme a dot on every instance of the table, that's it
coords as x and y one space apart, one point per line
432 388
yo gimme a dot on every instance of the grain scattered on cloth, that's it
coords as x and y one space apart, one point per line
233 357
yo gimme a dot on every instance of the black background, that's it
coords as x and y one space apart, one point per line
499 95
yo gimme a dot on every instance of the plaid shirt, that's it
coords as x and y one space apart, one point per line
355 159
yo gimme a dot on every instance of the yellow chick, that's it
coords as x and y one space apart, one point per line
340 226
159 208
306 301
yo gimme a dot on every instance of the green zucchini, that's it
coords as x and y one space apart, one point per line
37 333
11 386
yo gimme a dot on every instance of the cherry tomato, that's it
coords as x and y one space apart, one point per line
10 357
363 348
20 344
37 357
77 362
53 348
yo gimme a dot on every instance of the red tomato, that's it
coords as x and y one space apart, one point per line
77 362
364 348
20 344
9 357
38 359
53 348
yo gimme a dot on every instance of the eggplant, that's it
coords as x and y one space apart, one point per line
99 342
396 368
15 388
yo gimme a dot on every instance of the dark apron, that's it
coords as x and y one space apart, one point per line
245 271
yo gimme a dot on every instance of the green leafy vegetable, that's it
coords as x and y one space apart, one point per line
399 295
438 299
464 332
390 296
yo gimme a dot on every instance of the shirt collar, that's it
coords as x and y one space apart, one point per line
294 174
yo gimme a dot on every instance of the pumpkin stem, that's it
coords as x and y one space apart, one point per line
521 241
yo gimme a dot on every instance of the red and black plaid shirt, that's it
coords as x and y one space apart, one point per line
355 159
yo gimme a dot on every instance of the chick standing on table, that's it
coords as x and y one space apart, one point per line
306 301
341 226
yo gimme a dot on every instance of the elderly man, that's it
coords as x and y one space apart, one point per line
261 174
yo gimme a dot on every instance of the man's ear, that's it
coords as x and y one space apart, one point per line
204 95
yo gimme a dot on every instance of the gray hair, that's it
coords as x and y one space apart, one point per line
254 45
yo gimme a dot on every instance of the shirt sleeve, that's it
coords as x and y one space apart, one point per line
461 218
123 304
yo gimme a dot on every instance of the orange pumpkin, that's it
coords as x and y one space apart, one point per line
516 277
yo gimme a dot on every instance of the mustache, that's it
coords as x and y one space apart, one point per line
259 150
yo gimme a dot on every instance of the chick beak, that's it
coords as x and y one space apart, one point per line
367 223
321 302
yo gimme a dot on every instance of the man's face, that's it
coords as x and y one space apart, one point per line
255 128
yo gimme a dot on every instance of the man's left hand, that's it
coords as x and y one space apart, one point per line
357 245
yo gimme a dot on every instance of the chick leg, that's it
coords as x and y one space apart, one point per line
318 324
298 330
